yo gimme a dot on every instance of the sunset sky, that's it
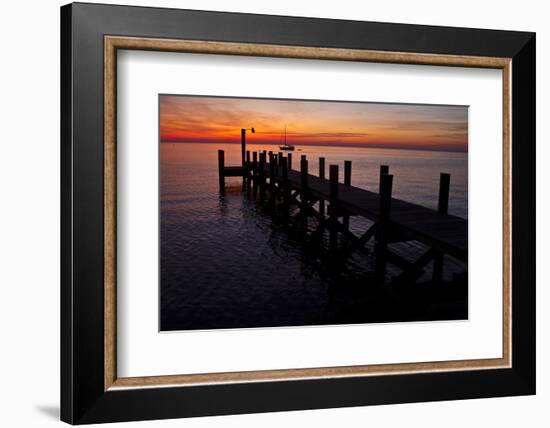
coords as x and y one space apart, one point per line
213 119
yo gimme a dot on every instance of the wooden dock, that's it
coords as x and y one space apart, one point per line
332 203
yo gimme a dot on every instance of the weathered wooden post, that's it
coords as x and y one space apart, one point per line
289 161
347 182
271 164
271 178
254 165
386 183
384 169
347 173
246 173
261 175
243 144
246 169
322 175
275 166
444 184
221 167
442 209
304 169
333 208
304 192
286 187
302 157
255 174
279 159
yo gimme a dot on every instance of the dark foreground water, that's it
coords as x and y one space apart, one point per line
225 263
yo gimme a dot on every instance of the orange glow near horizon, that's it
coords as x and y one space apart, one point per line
405 126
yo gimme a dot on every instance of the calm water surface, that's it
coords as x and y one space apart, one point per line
226 264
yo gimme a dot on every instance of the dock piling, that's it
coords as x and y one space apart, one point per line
221 167
333 208
254 175
261 175
347 173
286 187
347 182
381 236
444 184
289 161
246 169
384 169
322 175
243 145
254 163
304 191
271 177
304 174
442 209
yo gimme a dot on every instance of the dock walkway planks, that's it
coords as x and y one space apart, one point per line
444 232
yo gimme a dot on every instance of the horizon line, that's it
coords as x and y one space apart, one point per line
324 144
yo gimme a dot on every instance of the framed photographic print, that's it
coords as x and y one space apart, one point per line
265 213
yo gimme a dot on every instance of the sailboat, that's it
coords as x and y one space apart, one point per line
286 146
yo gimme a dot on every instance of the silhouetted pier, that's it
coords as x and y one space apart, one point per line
331 202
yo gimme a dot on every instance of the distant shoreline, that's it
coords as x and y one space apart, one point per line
353 146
